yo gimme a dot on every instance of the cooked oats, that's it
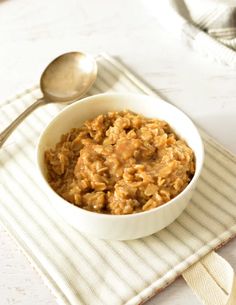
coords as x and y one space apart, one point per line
120 163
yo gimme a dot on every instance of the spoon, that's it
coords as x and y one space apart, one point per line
66 79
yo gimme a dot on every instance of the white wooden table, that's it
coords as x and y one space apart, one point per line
34 32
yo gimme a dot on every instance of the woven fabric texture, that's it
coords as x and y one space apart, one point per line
82 270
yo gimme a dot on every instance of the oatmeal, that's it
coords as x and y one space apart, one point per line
120 163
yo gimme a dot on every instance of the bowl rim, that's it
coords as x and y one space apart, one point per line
123 216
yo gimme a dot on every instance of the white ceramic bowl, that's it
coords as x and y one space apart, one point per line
131 226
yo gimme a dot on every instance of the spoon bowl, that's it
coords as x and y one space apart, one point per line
66 79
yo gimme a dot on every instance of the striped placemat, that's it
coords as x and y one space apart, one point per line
81 270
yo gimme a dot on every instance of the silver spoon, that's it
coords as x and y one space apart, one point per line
66 79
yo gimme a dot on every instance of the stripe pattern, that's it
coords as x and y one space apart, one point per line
81 270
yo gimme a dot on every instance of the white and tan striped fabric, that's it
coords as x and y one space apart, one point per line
81 270
208 26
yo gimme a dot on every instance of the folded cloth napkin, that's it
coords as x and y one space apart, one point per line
208 26
82 270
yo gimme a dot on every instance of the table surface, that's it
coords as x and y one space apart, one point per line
32 33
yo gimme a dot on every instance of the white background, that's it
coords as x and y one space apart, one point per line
33 32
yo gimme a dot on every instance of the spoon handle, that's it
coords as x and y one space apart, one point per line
7 132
